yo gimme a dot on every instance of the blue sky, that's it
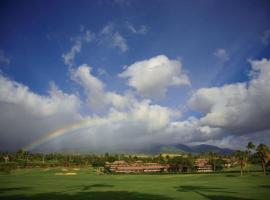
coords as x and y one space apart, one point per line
213 41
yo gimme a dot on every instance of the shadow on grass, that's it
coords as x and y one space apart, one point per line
218 193
112 195
11 189
198 189
87 187
265 186
221 197
232 175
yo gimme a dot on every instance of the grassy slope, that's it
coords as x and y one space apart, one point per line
39 184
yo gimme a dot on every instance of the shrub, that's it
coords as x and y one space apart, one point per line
8 167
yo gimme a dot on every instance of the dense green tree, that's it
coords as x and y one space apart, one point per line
242 157
160 159
213 157
250 146
263 153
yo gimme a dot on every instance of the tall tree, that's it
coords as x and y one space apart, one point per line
213 157
263 153
242 157
250 146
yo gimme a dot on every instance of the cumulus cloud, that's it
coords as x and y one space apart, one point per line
151 78
113 38
191 130
235 112
18 94
142 30
97 97
3 58
232 114
128 123
26 115
94 88
86 36
221 54
266 37
153 116
141 125
240 141
240 108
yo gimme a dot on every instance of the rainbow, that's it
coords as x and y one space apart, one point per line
62 131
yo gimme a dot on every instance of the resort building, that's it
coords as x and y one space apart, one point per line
136 167
230 162
179 168
202 165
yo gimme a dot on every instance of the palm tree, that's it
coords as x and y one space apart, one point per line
263 152
213 158
250 146
242 157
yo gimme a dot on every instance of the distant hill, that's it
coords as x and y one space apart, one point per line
206 148
178 148
152 149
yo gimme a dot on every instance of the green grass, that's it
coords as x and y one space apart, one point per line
40 184
248 168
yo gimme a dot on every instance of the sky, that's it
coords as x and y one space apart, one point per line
116 75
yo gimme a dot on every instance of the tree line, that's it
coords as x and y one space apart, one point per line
22 159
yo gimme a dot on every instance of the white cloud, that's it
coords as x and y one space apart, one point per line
241 107
87 36
266 37
238 141
221 54
3 58
97 97
141 31
119 101
140 126
69 56
231 112
152 77
94 88
18 94
191 130
25 115
153 116
113 38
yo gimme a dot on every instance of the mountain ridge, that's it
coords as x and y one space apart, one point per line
195 149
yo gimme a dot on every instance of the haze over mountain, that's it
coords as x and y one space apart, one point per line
151 150
181 148
130 75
